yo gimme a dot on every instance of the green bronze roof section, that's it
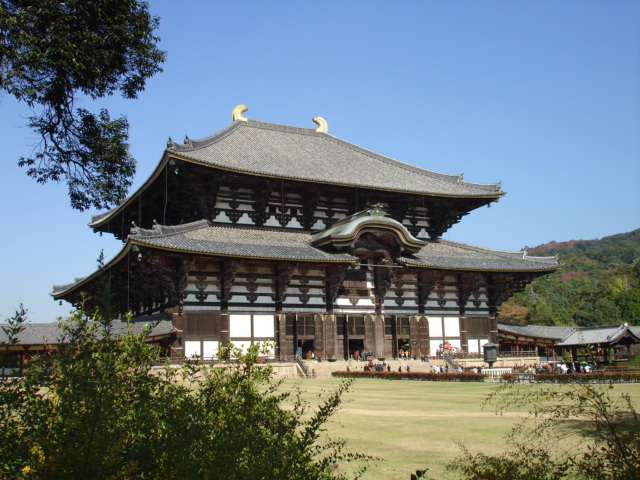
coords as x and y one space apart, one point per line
345 232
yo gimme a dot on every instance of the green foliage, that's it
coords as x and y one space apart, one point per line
520 463
101 409
598 285
579 431
54 53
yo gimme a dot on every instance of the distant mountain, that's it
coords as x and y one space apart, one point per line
598 285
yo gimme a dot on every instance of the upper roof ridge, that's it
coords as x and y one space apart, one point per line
191 145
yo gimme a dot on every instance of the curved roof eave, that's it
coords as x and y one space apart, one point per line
100 219
60 290
464 257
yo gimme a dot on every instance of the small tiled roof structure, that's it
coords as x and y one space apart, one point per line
568 337
206 239
292 153
50 334
600 335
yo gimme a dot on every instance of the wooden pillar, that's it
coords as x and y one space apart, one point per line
318 342
225 327
283 346
394 336
464 340
347 353
414 335
378 336
178 321
330 337
493 325
369 333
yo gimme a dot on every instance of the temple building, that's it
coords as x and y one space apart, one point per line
271 232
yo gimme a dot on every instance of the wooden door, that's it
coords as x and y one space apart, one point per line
423 335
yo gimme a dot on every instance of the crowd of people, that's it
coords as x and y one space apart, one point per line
374 367
561 367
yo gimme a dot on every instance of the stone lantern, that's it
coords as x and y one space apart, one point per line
490 353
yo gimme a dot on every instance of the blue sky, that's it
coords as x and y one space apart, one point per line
541 96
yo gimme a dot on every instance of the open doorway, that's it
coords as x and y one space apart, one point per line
305 349
356 346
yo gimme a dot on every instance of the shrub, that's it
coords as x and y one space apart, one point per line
605 444
96 409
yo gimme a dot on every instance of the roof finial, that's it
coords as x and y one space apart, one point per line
322 124
237 113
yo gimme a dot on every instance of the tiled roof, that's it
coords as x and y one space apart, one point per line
300 153
281 151
453 255
536 331
200 237
51 334
598 334
237 242
572 336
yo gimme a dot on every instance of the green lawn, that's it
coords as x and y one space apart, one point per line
413 425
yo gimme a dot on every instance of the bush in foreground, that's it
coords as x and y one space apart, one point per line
96 409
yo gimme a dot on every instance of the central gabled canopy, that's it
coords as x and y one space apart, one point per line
345 233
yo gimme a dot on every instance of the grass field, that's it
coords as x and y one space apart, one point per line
414 425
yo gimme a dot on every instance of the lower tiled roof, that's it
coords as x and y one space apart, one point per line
52 334
445 254
535 331
200 237
253 243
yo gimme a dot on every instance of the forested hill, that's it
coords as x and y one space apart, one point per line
606 254
598 285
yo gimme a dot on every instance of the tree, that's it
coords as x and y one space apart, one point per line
99 409
53 53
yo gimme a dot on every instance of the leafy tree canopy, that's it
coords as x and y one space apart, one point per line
54 52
